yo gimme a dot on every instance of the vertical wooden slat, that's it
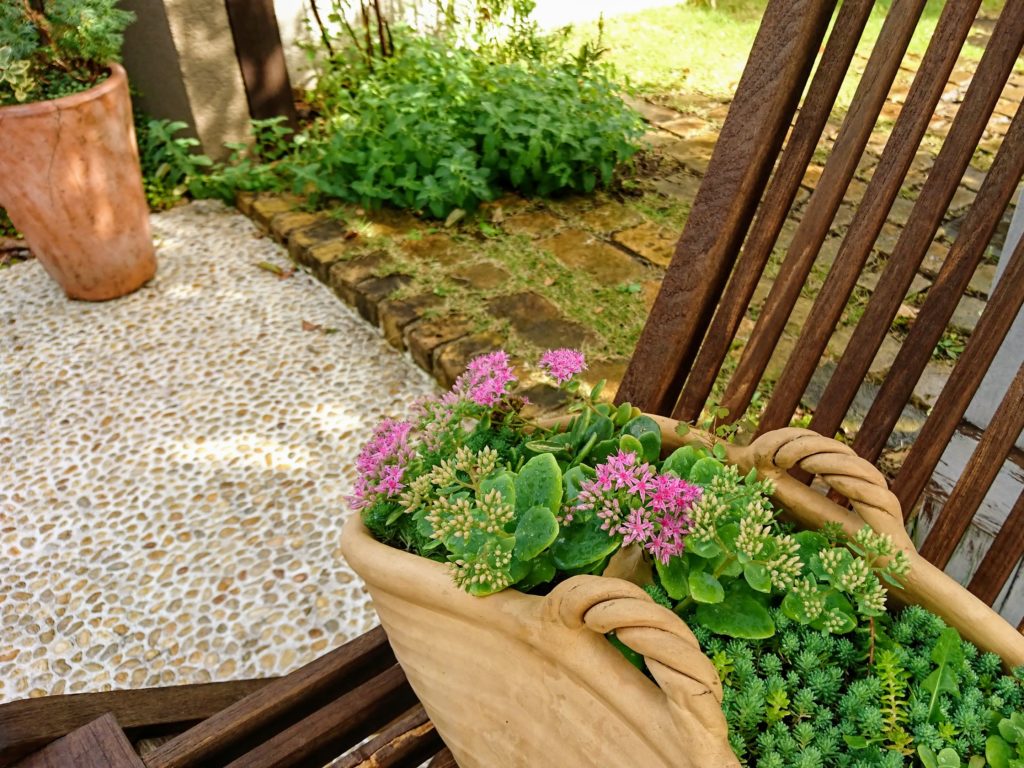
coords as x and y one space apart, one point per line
785 183
879 73
943 296
261 59
766 98
939 188
953 27
969 492
1002 556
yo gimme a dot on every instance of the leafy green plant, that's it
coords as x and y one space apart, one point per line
251 165
1005 749
169 161
440 124
50 48
438 128
815 672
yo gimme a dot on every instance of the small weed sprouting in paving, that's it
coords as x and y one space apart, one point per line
950 346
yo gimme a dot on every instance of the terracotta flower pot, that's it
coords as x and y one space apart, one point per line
516 680
70 182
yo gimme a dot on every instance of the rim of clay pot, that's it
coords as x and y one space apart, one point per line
113 81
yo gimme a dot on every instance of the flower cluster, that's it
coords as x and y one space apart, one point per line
562 364
382 463
639 504
485 381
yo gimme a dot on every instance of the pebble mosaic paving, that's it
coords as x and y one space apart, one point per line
174 467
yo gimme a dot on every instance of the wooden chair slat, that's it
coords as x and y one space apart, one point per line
444 759
782 190
407 741
944 294
939 188
879 74
953 520
99 744
992 328
1003 556
334 728
953 27
276 705
30 724
783 53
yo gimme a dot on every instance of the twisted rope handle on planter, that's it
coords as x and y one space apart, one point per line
776 452
686 676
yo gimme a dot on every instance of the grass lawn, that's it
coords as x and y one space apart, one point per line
692 49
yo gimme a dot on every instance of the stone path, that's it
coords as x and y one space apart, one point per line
175 464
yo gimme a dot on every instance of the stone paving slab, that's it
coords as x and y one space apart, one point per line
175 465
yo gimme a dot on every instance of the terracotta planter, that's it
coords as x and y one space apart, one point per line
517 680
70 182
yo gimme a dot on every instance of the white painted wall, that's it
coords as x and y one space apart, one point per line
1010 356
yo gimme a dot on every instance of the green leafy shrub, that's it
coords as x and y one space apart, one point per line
437 128
50 48
441 123
251 166
169 161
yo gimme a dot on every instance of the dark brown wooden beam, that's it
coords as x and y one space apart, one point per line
261 59
31 724
99 744
784 51
248 723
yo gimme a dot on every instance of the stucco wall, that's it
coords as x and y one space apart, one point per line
180 57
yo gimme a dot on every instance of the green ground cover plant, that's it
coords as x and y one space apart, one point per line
817 672
51 48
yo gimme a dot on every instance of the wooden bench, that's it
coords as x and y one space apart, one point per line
353 703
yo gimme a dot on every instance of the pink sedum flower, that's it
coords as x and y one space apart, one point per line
486 380
563 364
382 463
633 501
